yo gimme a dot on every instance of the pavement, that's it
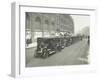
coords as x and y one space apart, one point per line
76 54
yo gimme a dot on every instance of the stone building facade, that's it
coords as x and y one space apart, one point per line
48 22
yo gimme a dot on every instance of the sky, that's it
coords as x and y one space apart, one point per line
80 21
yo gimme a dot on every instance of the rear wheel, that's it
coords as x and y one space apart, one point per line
45 53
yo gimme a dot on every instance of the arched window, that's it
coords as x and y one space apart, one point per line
47 22
37 24
38 19
46 25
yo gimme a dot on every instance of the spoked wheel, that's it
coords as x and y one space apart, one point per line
45 53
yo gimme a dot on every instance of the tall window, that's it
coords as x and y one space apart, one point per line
27 21
46 25
37 26
37 29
